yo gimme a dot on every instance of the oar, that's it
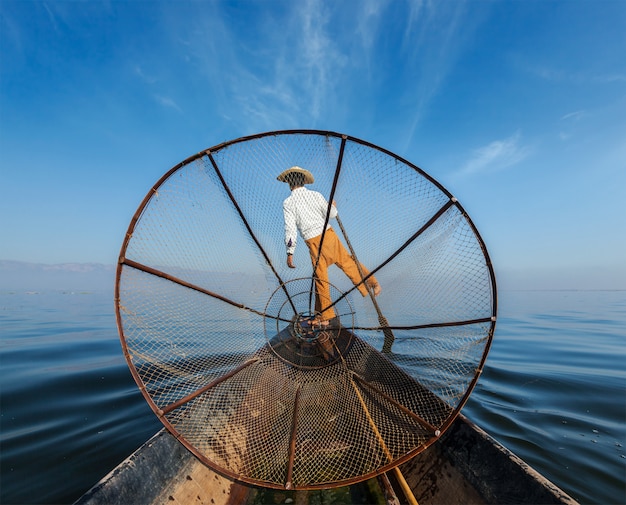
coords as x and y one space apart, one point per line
382 320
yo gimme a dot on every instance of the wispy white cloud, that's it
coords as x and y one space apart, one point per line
308 80
167 102
316 59
568 121
273 84
139 71
150 81
52 17
610 78
368 19
435 36
414 16
574 116
547 73
311 59
557 74
497 155
315 47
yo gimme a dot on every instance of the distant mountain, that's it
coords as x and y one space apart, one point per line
23 276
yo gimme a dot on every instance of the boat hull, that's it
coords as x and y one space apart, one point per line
465 466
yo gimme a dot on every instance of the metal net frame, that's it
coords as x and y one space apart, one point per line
220 334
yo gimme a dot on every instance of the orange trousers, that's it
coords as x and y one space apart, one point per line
333 253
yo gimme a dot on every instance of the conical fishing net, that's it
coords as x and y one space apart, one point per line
224 339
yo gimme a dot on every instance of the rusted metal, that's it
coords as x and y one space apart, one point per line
210 385
245 221
292 442
430 222
330 204
181 282
446 324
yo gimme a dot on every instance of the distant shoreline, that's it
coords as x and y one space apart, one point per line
22 275
31 277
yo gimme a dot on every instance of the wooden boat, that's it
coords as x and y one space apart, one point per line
465 466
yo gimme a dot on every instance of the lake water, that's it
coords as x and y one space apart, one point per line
553 392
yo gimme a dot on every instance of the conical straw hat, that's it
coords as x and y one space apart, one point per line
286 175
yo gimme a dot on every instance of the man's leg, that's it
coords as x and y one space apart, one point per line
323 301
348 265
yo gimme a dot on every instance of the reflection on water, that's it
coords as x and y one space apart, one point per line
552 392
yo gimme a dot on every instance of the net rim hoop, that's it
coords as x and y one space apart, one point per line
180 437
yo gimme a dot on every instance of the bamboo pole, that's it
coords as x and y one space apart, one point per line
401 480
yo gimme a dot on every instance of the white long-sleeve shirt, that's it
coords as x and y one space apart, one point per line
304 211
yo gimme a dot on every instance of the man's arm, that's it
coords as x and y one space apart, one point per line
333 210
291 233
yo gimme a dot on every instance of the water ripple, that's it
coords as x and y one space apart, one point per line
552 392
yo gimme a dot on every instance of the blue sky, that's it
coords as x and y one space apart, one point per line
517 107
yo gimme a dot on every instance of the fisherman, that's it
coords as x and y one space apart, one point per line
305 211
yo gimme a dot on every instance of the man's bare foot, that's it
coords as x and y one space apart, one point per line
322 324
376 289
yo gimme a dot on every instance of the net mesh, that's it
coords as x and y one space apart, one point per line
218 331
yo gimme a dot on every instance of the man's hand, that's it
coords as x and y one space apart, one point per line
290 261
